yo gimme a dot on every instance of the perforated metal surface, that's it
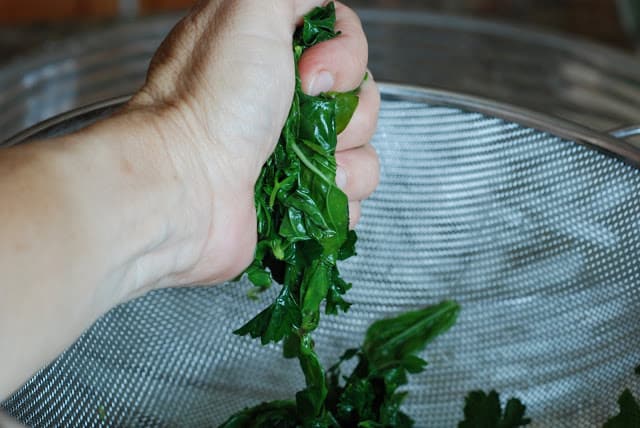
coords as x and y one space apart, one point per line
536 236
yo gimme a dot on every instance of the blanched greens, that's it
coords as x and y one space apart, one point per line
303 233
303 222
369 397
303 217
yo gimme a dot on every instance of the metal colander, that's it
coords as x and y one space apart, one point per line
531 223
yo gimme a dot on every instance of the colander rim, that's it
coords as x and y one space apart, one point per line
562 128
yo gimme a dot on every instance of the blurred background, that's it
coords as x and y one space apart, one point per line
577 60
26 23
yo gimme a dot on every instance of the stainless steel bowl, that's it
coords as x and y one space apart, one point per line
568 78
531 222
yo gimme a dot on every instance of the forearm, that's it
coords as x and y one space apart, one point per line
83 224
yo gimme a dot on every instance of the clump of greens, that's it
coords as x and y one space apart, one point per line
303 232
369 397
483 410
303 222
303 217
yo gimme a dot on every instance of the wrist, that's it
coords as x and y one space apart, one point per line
194 197
219 200
131 198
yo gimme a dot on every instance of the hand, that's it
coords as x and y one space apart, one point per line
218 92
161 194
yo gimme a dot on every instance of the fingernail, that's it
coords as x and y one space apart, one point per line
322 82
341 178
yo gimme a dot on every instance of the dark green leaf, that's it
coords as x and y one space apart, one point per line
348 249
346 105
314 289
390 414
319 126
394 339
308 252
259 276
629 416
414 364
303 232
302 215
356 403
370 424
258 325
304 203
514 415
275 322
334 298
318 25
275 414
292 227
337 212
394 377
291 346
483 410
310 401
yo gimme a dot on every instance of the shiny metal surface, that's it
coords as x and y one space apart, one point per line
537 235
626 132
613 142
580 81
630 134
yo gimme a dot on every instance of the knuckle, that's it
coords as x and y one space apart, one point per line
374 170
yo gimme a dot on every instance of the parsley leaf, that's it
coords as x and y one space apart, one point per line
303 216
483 410
370 396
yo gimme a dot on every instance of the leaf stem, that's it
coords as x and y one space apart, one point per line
308 163
274 193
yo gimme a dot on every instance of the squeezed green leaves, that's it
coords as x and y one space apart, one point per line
303 224
303 216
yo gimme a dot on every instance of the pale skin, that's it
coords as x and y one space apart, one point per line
161 194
